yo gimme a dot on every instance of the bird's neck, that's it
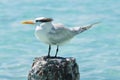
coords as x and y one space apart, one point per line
46 25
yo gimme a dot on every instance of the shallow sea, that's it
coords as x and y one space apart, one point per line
97 50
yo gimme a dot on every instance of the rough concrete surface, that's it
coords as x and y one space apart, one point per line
54 68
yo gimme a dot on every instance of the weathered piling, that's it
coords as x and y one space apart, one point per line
54 68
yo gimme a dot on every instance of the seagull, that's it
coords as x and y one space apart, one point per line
54 34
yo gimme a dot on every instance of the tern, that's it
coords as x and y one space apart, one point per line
54 34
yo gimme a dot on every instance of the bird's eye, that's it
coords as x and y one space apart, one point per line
37 20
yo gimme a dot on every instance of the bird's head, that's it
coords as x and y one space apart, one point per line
38 20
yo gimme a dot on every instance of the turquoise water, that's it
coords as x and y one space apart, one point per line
97 50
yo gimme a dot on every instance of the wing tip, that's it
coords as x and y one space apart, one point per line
96 23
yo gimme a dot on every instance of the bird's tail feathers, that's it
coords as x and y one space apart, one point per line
82 29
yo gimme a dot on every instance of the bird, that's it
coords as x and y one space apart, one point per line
54 33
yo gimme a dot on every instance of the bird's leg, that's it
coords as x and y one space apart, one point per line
57 51
49 50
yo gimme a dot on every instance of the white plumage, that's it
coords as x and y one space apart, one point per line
55 34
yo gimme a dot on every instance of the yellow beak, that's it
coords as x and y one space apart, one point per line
28 22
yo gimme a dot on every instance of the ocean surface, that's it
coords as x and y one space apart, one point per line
97 50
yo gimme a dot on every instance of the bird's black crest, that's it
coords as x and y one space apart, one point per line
45 20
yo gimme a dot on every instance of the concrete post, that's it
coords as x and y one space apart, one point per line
59 68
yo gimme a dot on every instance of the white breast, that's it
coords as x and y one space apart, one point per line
41 35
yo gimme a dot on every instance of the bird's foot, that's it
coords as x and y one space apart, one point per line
48 56
55 56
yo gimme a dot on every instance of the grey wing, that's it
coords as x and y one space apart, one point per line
60 34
